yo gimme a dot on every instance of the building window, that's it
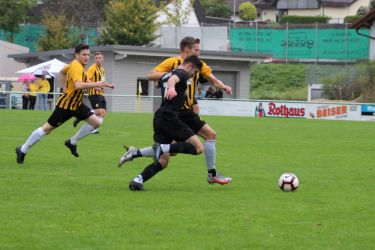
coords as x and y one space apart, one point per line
142 86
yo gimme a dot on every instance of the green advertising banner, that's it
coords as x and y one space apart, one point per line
30 33
337 44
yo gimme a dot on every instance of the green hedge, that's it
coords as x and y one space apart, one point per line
352 19
305 19
278 81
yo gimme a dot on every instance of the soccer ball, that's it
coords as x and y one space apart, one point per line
288 182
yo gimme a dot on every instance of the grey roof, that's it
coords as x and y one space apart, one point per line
265 3
337 3
123 50
325 3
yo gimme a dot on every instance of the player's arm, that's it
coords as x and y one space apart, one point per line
207 73
156 73
171 87
63 76
86 85
219 84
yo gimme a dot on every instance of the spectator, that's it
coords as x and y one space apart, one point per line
26 95
210 93
33 89
201 93
44 88
219 94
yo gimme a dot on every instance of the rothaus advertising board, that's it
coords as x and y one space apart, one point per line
278 109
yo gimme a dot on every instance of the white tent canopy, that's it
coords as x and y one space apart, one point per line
50 67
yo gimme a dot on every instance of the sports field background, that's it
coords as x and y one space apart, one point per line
56 201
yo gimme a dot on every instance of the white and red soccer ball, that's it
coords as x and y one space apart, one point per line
288 182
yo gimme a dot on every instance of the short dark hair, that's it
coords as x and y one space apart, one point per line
189 42
194 60
81 47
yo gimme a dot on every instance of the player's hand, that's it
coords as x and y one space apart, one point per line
109 85
170 94
227 89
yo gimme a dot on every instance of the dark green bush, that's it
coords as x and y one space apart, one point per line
305 19
278 81
351 19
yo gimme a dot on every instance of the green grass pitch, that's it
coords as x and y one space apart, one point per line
56 201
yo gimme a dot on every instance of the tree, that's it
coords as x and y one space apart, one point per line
80 13
248 12
12 13
216 8
362 11
177 14
58 34
131 22
371 5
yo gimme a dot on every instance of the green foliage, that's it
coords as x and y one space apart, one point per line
248 12
216 8
341 88
366 81
362 10
130 22
57 201
79 13
371 4
305 19
58 34
356 82
351 19
177 14
12 13
278 81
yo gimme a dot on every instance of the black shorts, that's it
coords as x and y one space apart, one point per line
191 119
59 115
98 102
168 127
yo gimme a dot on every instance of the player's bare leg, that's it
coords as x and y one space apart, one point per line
99 113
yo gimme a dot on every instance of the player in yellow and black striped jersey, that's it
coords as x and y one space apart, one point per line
189 46
68 105
95 73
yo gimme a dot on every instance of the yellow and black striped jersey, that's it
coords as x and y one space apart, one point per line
173 63
96 74
72 98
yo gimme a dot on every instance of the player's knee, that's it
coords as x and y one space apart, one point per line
100 112
47 128
211 135
164 161
96 124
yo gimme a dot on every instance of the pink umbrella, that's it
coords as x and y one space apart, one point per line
26 78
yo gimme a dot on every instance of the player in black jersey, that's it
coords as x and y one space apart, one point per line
167 125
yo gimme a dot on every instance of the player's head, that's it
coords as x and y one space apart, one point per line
99 57
192 65
82 52
190 46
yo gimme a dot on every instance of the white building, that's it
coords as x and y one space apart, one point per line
7 65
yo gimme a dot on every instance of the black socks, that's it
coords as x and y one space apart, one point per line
151 170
